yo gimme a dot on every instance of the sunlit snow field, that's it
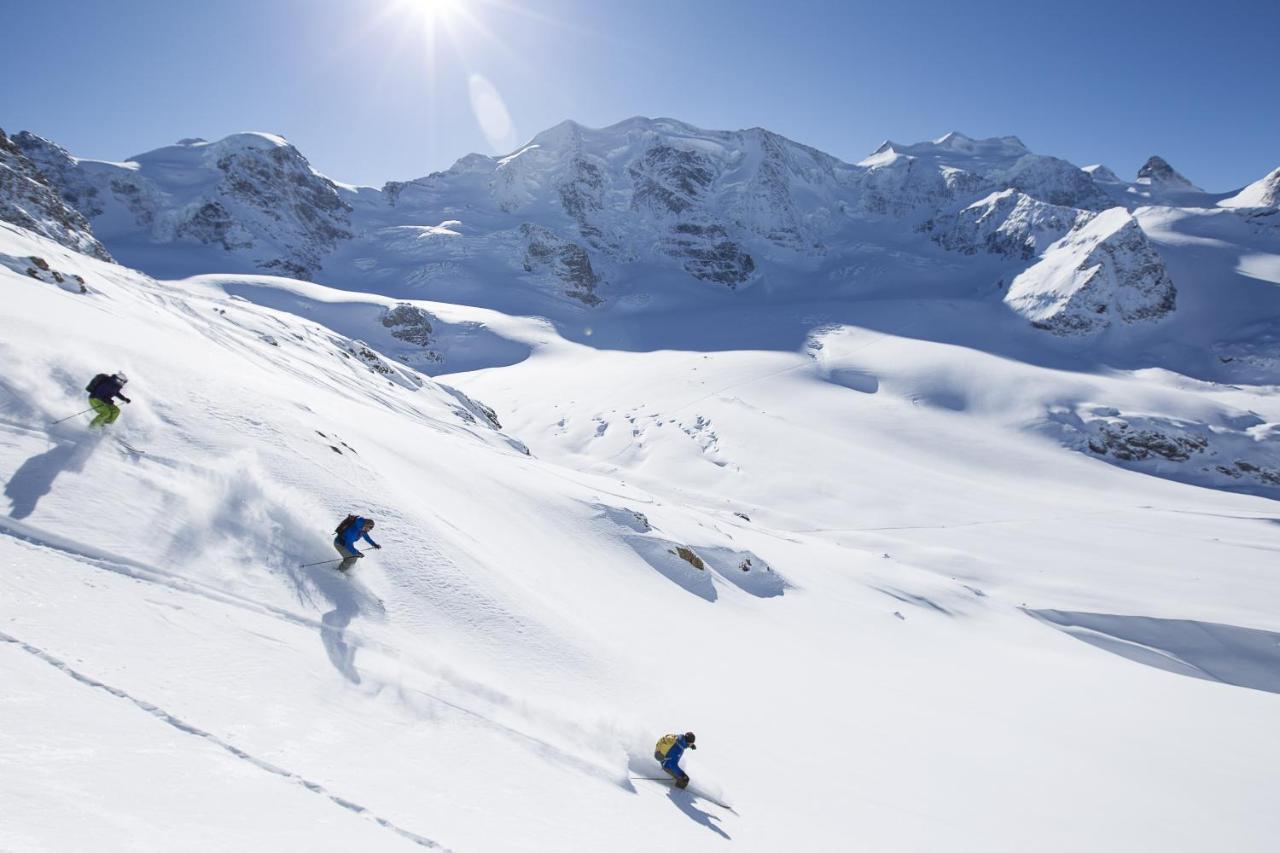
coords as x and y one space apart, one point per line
952 631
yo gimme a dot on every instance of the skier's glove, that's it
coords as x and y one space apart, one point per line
693 746
379 547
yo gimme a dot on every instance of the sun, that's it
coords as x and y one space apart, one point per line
431 13
435 10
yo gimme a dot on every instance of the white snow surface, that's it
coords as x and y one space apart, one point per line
949 582
1264 192
492 677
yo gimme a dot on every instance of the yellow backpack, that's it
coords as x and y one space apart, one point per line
665 744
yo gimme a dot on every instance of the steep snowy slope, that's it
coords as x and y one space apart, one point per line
1264 192
916 571
490 679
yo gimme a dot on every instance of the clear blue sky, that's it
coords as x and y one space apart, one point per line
355 85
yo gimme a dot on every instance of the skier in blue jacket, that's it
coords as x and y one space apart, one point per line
352 528
668 752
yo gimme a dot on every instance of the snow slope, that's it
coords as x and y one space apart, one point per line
879 650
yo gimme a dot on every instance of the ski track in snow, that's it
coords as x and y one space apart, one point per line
189 729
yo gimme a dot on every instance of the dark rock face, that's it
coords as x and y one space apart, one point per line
709 254
280 185
1129 445
670 180
1011 224
1055 182
28 201
567 261
62 173
690 557
1242 470
263 198
213 224
1157 168
1158 173
582 196
772 190
410 324
673 185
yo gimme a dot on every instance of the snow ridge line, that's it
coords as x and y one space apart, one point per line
186 728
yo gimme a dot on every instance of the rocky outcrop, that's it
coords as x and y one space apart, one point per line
709 255
567 262
299 211
1233 450
1157 172
668 181
38 268
409 323
62 172
1008 223
28 201
689 556
1104 272
251 194
1051 180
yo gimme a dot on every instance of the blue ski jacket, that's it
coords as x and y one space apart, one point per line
672 761
355 532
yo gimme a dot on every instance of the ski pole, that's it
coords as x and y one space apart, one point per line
321 563
76 415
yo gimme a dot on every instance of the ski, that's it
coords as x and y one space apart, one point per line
691 791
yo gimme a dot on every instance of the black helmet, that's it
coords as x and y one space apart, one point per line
690 737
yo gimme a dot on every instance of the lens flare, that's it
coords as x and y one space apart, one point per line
491 114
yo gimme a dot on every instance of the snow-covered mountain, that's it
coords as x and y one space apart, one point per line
29 201
1264 192
252 196
635 213
912 486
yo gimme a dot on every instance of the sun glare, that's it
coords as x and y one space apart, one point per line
452 38
435 10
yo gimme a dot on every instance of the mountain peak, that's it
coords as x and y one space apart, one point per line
953 139
1157 171
1264 192
193 145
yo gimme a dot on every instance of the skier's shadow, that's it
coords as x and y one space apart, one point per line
344 599
34 478
684 802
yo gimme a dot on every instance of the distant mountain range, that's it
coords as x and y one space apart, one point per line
640 214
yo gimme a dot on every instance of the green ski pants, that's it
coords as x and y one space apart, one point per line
107 412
